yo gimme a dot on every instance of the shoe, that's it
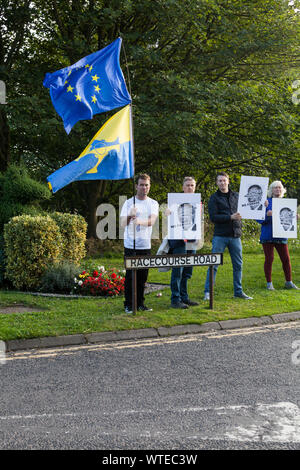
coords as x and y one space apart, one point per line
128 310
290 285
243 296
206 296
270 286
190 303
143 308
179 305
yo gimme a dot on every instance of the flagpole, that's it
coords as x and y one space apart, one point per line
134 281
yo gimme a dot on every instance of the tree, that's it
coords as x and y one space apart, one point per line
209 83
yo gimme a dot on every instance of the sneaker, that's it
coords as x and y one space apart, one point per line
128 310
190 303
206 296
290 285
179 305
243 296
270 286
143 308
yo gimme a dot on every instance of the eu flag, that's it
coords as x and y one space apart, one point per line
109 155
95 84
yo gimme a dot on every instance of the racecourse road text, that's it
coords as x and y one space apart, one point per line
142 262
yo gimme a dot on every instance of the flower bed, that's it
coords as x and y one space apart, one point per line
100 282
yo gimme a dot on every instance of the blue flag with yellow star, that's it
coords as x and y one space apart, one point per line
95 84
108 156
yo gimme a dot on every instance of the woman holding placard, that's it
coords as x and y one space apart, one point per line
269 242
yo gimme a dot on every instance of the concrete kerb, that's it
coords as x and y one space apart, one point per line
129 335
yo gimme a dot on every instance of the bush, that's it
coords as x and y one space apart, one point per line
20 194
31 244
59 278
73 230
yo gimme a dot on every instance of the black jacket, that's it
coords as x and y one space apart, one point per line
220 208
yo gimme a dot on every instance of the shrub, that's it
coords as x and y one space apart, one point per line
73 231
20 194
59 278
31 244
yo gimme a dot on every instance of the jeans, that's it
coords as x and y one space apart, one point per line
234 246
141 279
180 277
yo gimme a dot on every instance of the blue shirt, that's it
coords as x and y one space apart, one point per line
266 234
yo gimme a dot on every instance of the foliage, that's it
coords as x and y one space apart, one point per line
100 282
59 278
20 194
210 80
73 231
31 244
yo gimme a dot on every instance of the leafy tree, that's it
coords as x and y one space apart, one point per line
209 81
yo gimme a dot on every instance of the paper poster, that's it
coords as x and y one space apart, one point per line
252 197
184 220
284 217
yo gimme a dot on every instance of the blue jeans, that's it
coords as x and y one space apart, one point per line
234 246
180 277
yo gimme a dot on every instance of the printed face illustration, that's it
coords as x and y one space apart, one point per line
286 218
186 215
254 196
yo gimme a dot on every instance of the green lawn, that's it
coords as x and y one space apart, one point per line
69 316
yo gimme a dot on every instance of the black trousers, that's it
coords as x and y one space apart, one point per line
141 279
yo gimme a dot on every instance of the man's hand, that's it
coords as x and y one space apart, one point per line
236 216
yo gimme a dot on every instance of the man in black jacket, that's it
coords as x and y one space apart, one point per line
222 208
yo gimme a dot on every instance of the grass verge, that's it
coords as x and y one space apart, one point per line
63 316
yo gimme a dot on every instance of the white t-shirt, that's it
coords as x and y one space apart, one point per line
145 208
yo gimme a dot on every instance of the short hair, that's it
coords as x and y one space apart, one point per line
142 176
275 183
188 178
222 173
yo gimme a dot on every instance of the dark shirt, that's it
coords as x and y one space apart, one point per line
220 207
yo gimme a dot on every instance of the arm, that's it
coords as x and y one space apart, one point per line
130 215
145 222
220 218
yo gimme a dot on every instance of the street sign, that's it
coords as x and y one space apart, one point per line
174 261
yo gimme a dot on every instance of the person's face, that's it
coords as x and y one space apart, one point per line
276 190
142 188
254 196
223 183
185 214
189 186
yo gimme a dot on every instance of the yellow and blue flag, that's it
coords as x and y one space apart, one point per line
109 155
95 84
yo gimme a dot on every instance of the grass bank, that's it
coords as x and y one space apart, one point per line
65 316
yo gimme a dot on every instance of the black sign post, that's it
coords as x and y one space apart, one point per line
156 261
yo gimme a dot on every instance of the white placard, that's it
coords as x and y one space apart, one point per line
184 221
252 197
284 218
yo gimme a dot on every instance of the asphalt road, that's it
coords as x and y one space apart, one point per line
236 389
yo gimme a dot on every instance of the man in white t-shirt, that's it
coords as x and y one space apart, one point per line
138 215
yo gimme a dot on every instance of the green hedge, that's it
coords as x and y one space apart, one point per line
73 230
31 244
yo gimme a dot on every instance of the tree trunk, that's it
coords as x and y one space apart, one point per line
4 140
95 191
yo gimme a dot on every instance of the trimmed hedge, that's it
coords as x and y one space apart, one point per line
35 243
31 244
73 230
